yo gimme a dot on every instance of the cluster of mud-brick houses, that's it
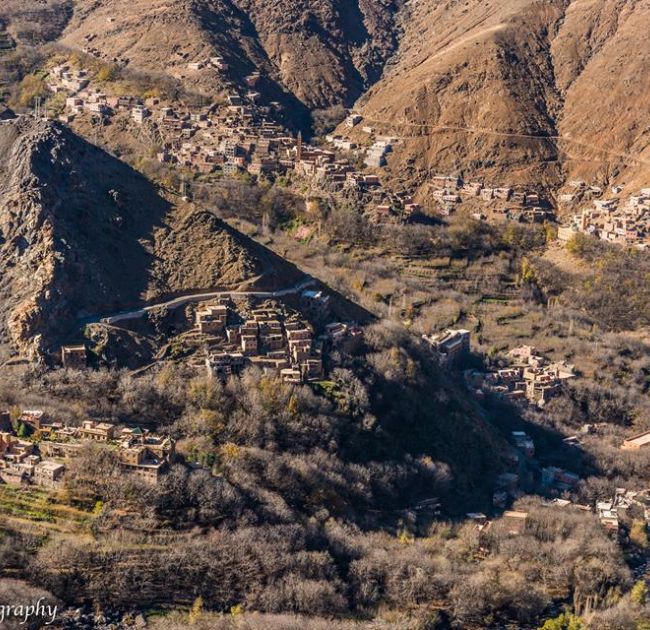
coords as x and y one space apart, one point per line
624 221
40 455
239 135
530 378
558 487
514 203
281 344
626 506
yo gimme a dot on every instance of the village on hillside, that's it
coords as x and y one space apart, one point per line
531 379
35 448
233 331
292 341
620 220
241 136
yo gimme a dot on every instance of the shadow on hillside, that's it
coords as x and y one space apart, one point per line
241 55
91 224
104 214
551 450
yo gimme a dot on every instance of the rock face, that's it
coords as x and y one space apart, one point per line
81 233
326 51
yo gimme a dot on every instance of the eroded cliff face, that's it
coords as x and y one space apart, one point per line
326 51
28 254
83 234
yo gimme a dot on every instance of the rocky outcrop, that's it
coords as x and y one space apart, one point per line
81 234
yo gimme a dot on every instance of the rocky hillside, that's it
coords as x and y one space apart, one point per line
81 233
519 90
311 54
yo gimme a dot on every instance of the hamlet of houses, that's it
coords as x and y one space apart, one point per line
513 203
624 506
281 344
232 137
240 136
41 460
529 378
624 222
558 485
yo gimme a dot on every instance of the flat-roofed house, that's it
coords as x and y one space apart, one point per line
97 431
637 442
48 473
515 521
452 345
73 357
142 462
35 418
212 319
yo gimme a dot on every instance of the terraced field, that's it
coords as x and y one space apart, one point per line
38 511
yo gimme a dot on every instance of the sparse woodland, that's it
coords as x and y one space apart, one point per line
303 504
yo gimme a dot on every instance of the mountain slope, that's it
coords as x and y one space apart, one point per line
312 54
82 233
519 91
514 91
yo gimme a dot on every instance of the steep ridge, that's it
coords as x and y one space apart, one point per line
82 233
473 90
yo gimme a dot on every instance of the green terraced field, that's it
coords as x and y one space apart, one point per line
40 507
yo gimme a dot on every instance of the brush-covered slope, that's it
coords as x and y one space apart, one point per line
82 233
34 22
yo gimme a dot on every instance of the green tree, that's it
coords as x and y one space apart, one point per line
22 430
639 593
565 621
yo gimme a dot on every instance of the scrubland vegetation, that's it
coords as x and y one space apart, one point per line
291 502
